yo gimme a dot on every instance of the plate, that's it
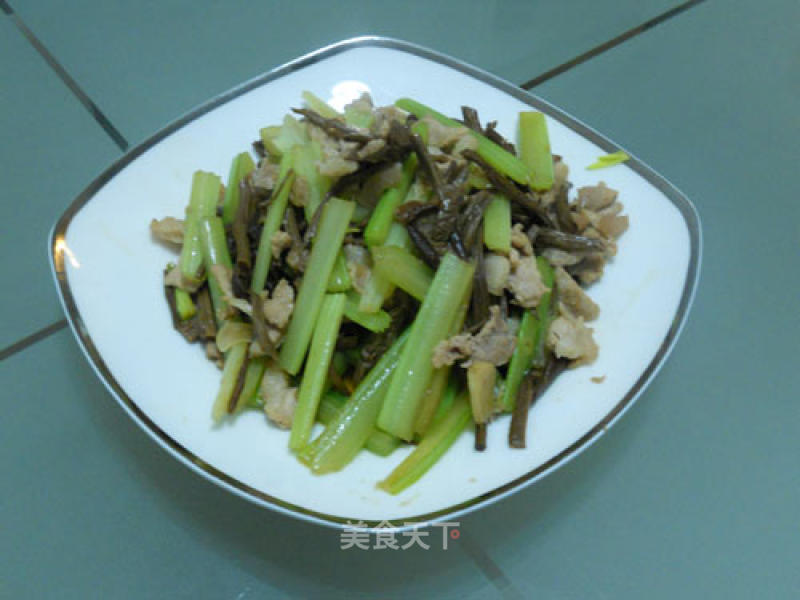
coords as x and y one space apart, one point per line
108 274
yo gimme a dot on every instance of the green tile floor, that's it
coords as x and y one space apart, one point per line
693 494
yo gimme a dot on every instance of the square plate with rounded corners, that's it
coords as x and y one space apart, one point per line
108 273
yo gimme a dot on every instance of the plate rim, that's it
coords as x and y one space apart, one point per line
57 236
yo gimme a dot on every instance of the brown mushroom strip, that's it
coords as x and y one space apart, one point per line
470 119
479 305
480 437
519 416
426 250
539 383
427 167
410 211
509 189
240 225
492 134
563 215
333 127
543 237
237 388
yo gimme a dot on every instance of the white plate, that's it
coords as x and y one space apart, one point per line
108 272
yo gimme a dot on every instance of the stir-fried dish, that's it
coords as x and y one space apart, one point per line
391 273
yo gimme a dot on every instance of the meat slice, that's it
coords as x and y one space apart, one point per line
493 344
569 337
573 296
280 400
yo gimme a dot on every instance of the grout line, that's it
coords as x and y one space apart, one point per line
490 569
605 46
73 86
37 336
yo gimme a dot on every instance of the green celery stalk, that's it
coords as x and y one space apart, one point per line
355 117
234 360
319 106
202 204
340 278
609 160
531 339
521 359
184 305
439 380
381 443
431 400
534 149
497 225
499 158
329 406
347 434
378 289
383 216
320 354
378 442
445 404
305 165
252 380
215 252
272 222
280 139
441 436
432 324
333 224
403 269
241 166
376 322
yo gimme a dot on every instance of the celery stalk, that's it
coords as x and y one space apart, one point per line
433 445
272 222
534 149
383 216
431 400
202 204
323 344
439 380
531 338
432 324
376 322
346 435
340 278
241 166
521 359
378 442
403 269
497 225
278 140
184 305
333 224
305 165
502 160
234 360
445 404
609 160
318 105
252 381
215 252
377 291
